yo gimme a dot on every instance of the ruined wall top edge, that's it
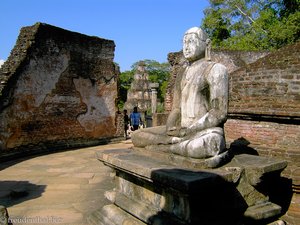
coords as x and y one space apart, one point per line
38 38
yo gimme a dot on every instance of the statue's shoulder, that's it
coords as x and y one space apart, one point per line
218 69
219 66
204 64
218 72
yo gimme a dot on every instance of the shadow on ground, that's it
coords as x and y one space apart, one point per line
15 192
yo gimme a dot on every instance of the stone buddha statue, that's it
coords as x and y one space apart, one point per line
195 125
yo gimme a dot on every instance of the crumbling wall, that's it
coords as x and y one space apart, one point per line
57 90
264 112
176 61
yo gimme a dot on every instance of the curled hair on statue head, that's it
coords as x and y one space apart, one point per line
199 33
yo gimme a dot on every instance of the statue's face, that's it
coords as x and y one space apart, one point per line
193 47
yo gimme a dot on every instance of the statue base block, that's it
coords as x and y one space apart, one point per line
152 189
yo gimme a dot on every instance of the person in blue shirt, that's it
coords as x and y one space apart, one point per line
135 119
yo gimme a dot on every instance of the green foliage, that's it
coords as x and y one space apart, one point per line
252 24
219 25
160 107
125 79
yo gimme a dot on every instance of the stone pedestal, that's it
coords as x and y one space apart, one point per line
153 188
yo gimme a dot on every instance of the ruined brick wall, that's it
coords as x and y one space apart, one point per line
176 61
264 110
58 89
270 86
119 124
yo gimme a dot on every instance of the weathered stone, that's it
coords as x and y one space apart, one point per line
195 125
3 216
154 87
58 91
112 215
139 94
262 211
155 189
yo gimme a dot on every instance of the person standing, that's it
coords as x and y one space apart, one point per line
135 119
126 123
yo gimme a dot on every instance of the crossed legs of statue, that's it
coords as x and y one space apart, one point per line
204 144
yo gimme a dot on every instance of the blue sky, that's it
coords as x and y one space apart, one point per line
141 29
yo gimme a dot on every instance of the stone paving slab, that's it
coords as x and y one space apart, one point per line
58 188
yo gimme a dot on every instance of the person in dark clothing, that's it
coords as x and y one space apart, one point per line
126 123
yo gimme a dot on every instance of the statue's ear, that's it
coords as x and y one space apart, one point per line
208 41
207 50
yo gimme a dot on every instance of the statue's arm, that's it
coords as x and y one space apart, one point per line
218 100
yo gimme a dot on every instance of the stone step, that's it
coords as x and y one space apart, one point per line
112 215
145 212
94 218
263 211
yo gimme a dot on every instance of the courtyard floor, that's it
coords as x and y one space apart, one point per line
58 188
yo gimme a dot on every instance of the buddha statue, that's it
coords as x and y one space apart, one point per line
194 126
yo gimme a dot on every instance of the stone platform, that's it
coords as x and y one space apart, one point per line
154 188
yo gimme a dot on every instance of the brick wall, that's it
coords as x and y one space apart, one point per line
58 90
264 111
270 86
120 124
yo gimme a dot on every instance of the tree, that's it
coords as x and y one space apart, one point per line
125 79
252 24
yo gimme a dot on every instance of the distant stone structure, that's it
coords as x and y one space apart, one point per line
57 90
139 93
154 87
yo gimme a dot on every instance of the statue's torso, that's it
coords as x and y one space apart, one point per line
194 93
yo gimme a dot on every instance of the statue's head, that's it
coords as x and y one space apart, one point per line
194 44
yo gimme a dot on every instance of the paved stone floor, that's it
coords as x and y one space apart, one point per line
58 188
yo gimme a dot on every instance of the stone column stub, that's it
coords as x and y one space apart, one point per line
154 87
